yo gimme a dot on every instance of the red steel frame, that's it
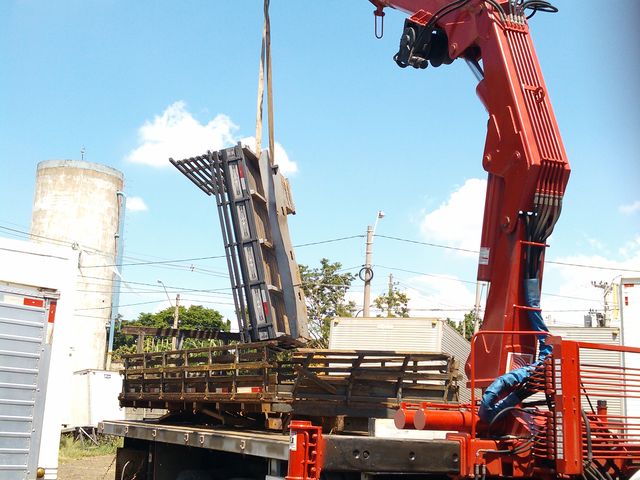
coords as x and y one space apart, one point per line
612 442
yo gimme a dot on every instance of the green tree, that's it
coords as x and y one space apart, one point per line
325 289
466 326
194 317
394 303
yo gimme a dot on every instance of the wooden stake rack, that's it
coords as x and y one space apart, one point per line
273 377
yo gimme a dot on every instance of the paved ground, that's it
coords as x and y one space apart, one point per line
88 468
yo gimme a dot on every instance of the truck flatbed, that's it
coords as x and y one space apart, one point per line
342 453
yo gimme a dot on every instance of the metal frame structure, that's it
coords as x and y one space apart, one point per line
223 174
253 200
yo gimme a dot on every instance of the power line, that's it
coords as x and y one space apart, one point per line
57 241
147 303
445 277
167 262
206 301
448 247
33 253
597 267
88 316
154 292
328 241
113 306
572 298
159 262
180 289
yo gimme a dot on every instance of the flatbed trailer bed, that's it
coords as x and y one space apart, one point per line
156 451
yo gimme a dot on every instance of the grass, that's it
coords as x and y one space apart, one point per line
71 449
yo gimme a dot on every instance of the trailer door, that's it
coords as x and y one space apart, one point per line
26 321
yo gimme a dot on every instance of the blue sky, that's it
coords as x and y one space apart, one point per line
137 82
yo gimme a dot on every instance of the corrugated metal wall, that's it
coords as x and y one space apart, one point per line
453 343
399 334
607 336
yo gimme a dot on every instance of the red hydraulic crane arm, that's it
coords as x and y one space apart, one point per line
524 155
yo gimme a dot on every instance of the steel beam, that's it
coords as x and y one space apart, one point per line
345 453
247 442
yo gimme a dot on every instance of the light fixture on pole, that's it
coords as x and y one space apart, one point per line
366 272
165 292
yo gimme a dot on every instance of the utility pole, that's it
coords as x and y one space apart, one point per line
366 272
176 313
476 308
606 287
390 294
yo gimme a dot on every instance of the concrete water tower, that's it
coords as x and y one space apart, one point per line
80 203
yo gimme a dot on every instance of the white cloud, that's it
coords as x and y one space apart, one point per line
594 243
441 296
631 248
287 166
458 221
136 204
630 209
177 134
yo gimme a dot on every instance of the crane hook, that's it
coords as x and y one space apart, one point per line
378 31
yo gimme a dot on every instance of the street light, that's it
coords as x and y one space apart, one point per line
165 291
366 272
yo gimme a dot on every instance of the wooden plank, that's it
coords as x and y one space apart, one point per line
380 353
203 368
209 334
306 375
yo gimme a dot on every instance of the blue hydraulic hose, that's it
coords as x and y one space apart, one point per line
492 401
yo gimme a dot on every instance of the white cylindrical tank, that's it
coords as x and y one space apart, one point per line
77 202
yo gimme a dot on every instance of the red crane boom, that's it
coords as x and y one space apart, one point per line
524 155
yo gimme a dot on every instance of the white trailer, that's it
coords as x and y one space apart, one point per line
34 354
95 395
629 299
